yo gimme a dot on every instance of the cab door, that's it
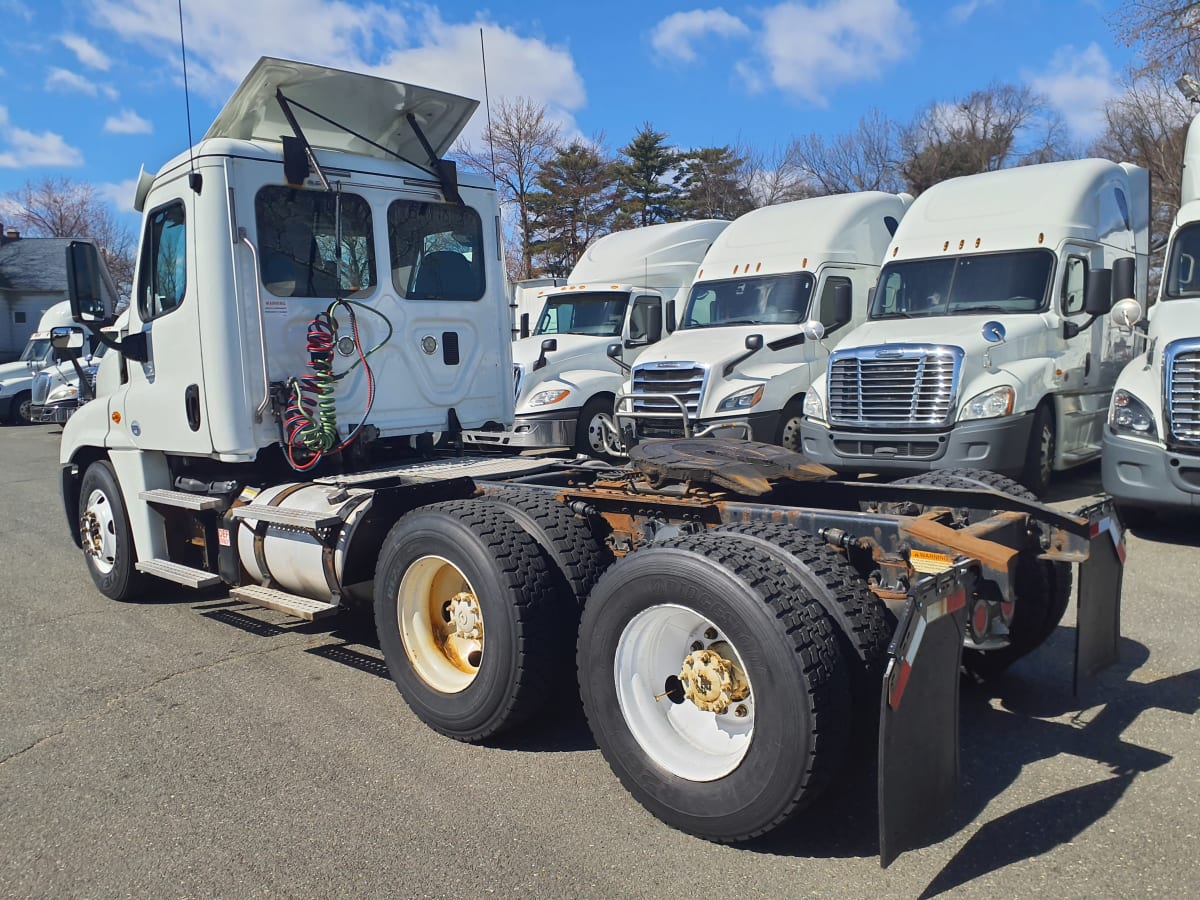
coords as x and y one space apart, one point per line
1083 402
164 403
638 334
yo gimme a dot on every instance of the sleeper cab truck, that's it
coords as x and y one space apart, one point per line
749 341
304 307
620 290
17 377
1151 458
987 343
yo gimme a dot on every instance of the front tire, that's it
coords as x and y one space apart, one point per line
1039 455
589 430
22 408
713 685
788 435
105 535
465 618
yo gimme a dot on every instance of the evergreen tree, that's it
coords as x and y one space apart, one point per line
650 197
577 199
711 184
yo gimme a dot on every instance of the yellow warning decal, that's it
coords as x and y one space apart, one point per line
928 562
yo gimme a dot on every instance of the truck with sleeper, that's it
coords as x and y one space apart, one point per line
17 377
986 344
736 618
623 288
1151 457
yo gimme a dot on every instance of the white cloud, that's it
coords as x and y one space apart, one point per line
127 122
16 9
119 193
961 12
226 37
1077 84
675 36
20 149
809 50
67 81
86 52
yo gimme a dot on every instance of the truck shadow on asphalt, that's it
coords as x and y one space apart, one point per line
1005 727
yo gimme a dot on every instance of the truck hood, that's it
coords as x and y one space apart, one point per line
14 370
712 345
952 331
1174 319
574 351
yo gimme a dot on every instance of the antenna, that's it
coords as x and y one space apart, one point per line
487 103
195 179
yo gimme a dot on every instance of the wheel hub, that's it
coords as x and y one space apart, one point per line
463 613
462 642
713 681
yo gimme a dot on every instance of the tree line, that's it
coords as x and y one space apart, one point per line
561 194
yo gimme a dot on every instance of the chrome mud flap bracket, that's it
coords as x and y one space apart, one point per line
1098 626
918 722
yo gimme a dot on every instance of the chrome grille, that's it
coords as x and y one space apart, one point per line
903 385
1182 367
41 388
685 380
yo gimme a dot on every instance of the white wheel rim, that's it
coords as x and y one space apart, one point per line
682 738
99 531
595 432
441 625
791 434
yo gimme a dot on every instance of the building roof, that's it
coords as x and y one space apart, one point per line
34 264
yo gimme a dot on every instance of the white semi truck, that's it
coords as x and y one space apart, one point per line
1151 458
16 378
621 290
987 343
746 348
304 306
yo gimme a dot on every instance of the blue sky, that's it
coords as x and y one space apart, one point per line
92 90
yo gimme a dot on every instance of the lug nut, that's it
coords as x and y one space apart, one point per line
741 712
696 645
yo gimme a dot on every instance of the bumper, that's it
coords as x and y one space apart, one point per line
1138 474
529 431
763 426
56 413
998 445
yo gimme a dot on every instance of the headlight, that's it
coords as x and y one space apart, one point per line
989 404
62 392
741 400
1130 416
814 406
546 398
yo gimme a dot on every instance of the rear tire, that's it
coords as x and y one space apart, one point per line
107 540
736 758
1043 588
464 610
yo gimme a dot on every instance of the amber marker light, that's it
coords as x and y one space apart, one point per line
116 417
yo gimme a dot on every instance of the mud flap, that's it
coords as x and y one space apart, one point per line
1098 628
918 725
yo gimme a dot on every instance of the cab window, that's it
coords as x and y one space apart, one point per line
162 270
1074 285
436 251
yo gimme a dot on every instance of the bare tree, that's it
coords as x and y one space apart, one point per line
519 139
1166 31
60 207
773 176
863 159
999 126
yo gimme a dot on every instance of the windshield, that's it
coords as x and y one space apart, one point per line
601 313
757 300
1183 271
36 351
1014 282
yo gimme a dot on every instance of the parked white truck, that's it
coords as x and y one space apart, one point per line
1151 458
304 306
745 350
620 290
987 344
16 378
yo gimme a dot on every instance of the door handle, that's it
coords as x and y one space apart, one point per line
1087 365
191 405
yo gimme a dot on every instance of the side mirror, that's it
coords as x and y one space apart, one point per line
669 316
613 351
654 325
1124 279
1098 292
754 342
841 305
1126 313
67 343
813 330
524 325
549 345
89 285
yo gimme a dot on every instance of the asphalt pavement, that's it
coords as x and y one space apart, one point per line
190 746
